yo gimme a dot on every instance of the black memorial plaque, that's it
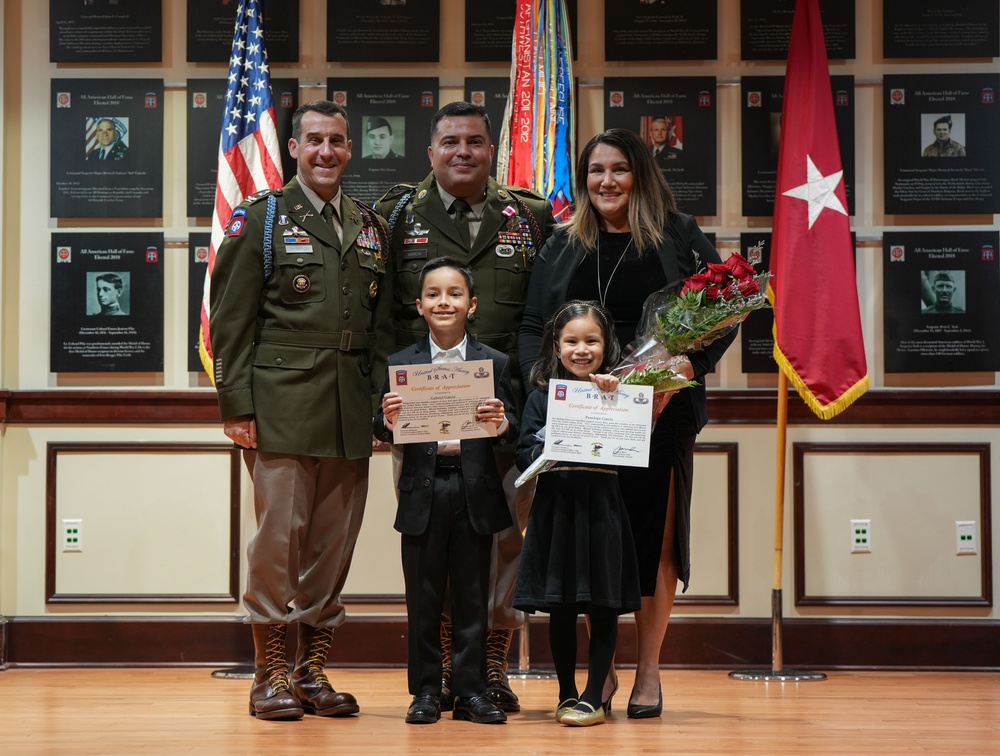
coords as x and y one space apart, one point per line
210 30
390 122
489 29
942 154
106 31
762 103
393 31
766 27
676 116
106 303
678 30
932 29
205 101
197 268
757 331
941 298
492 93
107 161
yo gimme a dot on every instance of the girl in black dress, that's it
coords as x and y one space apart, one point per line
578 555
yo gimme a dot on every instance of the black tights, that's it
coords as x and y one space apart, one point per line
562 639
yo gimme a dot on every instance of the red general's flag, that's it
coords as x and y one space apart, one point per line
249 154
818 342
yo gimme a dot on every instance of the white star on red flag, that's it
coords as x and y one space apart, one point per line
819 191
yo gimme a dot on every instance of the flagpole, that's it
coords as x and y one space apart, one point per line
777 671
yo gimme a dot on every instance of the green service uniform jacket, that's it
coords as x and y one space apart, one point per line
300 330
515 224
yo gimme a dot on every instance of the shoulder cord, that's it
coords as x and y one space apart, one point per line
536 230
268 253
394 216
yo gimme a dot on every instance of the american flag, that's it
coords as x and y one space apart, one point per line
249 154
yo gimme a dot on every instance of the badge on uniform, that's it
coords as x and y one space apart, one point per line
282 220
505 250
373 290
416 240
237 222
508 210
297 245
301 284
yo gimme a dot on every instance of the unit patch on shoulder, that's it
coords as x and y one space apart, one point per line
237 222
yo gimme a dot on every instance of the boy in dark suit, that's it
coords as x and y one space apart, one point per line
451 502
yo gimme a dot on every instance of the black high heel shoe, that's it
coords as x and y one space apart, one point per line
606 705
636 711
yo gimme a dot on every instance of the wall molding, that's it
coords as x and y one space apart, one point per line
702 643
743 407
979 451
55 450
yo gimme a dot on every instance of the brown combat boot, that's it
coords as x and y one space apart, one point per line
447 697
309 682
497 688
270 695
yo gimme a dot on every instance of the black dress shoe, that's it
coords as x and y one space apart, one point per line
425 709
478 709
499 692
635 711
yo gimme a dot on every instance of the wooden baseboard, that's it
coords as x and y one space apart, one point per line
712 643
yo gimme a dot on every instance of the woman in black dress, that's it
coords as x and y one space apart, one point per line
626 240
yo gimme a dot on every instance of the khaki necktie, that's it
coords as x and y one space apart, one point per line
460 207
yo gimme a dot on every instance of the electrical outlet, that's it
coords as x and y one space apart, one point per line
965 537
72 534
861 536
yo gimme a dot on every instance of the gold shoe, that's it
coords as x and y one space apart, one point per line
583 715
565 706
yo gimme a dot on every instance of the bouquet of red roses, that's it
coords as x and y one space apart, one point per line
689 316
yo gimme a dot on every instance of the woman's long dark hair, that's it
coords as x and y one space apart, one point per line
548 365
651 203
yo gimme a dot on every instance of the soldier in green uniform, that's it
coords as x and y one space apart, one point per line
300 330
496 231
944 145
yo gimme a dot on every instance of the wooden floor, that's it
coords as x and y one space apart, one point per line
155 711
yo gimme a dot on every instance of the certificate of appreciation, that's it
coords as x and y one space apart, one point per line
440 400
590 427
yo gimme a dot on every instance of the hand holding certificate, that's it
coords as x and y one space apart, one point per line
440 401
588 426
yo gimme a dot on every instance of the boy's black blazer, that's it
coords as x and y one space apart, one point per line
485 500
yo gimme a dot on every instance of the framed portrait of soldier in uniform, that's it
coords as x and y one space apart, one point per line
942 155
676 116
389 118
941 301
106 158
106 303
